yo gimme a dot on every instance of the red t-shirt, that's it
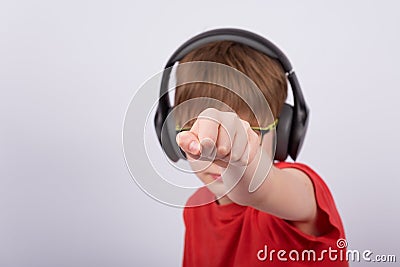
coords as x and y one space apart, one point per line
234 235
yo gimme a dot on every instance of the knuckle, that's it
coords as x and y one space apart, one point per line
235 157
252 134
223 150
246 124
232 115
244 161
254 137
209 114
208 111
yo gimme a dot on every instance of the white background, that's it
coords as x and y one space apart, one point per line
68 71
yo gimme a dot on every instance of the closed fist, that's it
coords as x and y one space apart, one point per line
218 135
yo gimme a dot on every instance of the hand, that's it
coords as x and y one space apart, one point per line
218 135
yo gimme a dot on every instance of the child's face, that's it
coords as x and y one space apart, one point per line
210 173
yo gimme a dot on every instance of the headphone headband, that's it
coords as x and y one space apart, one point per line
250 39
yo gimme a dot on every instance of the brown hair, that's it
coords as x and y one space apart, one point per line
266 73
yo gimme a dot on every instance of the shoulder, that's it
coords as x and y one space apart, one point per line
307 170
325 202
200 197
296 165
198 204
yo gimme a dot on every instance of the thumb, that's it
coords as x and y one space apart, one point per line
188 142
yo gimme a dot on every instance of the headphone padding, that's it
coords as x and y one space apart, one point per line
166 135
298 133
283 132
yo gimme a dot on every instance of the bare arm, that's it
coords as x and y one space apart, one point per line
285 193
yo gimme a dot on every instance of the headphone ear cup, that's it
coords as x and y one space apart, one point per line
158 122
167 136
298 133
283 132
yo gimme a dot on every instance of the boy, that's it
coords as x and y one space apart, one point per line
291 219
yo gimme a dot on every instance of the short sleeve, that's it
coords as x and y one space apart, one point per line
326 208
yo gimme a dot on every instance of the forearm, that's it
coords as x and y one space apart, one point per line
286 193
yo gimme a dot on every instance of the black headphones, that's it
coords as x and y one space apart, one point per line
293 120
